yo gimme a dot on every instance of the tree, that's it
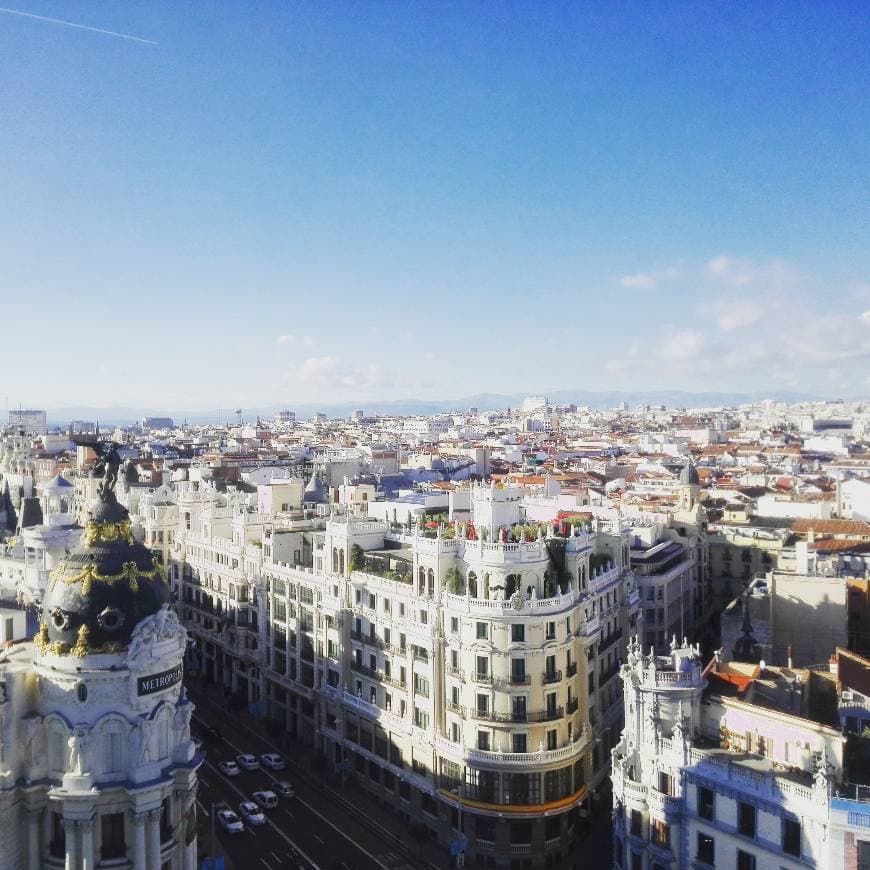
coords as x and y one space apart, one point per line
356 557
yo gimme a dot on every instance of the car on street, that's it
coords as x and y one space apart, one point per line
248 761
251 813
229 821
228 768
209 734
283 788
272 760
267 799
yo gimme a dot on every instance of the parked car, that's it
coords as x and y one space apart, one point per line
251 813
248 761
228 768
230 822
283 788
272 760
267 799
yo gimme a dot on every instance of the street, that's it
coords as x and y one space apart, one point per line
308 829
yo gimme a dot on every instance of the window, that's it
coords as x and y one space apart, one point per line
421 686
666 783
745 861
551 631
660 833
454 625
480 630
518 743
636 861
746 819
518 632
706 849
551 738
482 666
57 845
482 705
483 740
791 837
421 718
706 803
636 826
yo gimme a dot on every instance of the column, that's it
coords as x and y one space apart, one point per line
138 824
87 829
34 847
71 833
153 840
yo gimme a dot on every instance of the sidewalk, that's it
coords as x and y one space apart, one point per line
354 800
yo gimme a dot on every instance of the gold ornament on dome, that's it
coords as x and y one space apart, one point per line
108 532
82 644
45 646
130 572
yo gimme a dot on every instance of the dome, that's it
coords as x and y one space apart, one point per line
689 475
102 589
56 485
314 492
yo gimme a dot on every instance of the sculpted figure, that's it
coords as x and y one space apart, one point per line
78 752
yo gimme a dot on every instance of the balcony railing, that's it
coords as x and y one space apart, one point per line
552 677
609 640
571 670
456 672
456 708
520 679
363 669
481 677
518 715
572 705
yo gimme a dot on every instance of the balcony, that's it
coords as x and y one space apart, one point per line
604 676
456 708
487 758
456 672
571 670
481 678
518 715
572 705
551 677
520 680
360 668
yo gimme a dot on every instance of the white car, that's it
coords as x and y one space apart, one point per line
268 800
272 760
228 768
230 822
251 813
248 761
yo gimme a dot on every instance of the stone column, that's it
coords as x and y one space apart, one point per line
34 846
153 839
138 823
71 833
87 829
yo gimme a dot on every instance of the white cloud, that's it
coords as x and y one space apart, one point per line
286 339
684 344
737 314
865 317
743 271
307 341
334 372
639 281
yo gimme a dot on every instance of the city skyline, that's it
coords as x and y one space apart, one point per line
364 204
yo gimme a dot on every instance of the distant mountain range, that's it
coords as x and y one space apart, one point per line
481 401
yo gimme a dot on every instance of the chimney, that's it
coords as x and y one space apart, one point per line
834 666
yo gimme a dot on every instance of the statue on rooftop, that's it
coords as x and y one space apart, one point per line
108 463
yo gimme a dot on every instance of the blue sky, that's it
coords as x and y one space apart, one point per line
328 201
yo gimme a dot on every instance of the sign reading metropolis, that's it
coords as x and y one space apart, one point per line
152 683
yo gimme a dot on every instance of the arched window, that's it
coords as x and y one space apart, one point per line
335 559
341 561
472 584
512 584
431 578
421 581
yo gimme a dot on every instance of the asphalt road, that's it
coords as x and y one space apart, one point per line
307 826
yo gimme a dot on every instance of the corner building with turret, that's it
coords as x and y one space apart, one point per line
97 768
463 674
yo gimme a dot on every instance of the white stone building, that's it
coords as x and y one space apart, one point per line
97 768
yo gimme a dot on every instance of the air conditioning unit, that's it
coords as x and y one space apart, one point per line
847 695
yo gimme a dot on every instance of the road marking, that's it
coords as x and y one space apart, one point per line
316 813
278 831
276 857
251 830
319 839
290 814
202 807
266 863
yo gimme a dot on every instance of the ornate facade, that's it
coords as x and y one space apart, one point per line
97 767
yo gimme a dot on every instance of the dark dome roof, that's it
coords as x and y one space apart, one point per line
99 592
689 475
